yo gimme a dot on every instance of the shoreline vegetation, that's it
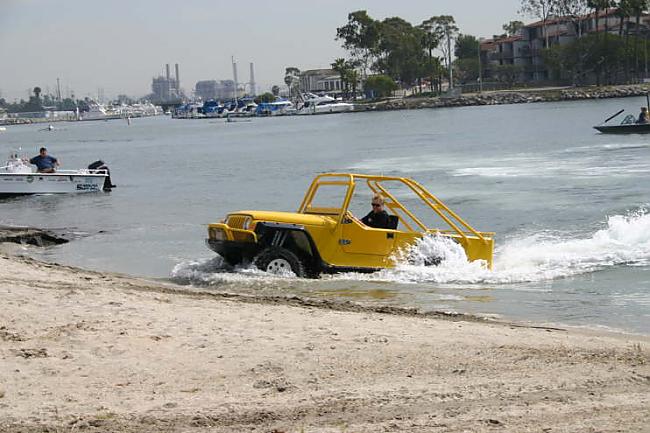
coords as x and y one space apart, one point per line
96 351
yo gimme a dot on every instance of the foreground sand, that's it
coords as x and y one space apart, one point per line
100 352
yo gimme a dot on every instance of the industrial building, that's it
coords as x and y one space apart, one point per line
167 88
213 89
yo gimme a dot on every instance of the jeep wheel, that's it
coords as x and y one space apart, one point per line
278 260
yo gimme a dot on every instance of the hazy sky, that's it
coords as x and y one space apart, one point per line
119 45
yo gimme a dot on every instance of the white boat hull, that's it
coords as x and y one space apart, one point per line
50 183
327 109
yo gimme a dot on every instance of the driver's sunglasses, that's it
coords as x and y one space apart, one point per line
376 205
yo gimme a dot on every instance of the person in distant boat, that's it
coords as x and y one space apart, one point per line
378 217
643 116
44 162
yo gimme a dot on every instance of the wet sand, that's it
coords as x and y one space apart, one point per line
91 351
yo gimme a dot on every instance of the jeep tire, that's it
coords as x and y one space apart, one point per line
277 260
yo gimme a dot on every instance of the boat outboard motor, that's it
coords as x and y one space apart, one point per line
100 165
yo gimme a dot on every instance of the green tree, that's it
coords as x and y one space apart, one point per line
67 104
508 74
430 41
401 55
466 47
380 85
341 67
467 69
600 55
445 27
360 37
352 77
512 27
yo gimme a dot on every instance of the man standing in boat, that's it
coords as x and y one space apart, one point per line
44 162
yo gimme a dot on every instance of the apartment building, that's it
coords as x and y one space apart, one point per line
525 49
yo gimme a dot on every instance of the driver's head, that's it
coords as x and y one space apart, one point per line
377 203
43 151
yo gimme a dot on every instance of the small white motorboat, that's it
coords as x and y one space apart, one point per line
17 178
313 104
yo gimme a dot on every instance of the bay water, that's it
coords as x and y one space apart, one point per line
569 205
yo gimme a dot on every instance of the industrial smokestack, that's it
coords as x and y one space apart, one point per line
234 75
178 80
167 71
252 83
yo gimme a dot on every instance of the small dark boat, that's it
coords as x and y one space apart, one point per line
635 128
627 126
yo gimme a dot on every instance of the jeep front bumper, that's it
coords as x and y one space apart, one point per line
232 244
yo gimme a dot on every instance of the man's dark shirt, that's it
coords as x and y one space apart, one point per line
43 162
643 119
377 220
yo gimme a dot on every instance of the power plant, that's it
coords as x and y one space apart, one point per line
165 88
227 89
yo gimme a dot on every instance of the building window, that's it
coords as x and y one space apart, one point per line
338 85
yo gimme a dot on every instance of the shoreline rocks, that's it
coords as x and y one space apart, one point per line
30 236
508 97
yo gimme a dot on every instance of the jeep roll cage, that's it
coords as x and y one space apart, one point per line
377 184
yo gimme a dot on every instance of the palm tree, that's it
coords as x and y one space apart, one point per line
430 41
37 92
353 79
291 78
341 66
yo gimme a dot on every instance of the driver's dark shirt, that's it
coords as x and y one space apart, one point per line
378 220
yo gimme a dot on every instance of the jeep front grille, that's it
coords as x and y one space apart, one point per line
238 221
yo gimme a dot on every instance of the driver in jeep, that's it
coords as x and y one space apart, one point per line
378 217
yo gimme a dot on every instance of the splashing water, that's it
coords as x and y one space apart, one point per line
539 257
625 241
215 271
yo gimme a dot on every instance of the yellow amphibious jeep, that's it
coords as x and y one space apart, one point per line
324 236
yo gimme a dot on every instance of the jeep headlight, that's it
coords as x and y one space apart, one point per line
247 223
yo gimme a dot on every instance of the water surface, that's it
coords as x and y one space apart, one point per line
568 204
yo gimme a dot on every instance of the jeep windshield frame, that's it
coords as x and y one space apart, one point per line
376 184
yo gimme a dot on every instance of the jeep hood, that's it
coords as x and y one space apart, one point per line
287 217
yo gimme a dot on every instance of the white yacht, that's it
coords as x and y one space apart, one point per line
98 112
314 104
17 178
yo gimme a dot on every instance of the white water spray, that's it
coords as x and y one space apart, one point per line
624 241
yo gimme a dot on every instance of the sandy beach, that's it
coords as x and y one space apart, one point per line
87 351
